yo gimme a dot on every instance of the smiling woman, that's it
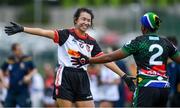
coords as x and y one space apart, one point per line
71 83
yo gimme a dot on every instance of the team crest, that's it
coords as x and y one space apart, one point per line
88 48
74 40
81 45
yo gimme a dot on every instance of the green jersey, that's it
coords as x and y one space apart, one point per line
151 53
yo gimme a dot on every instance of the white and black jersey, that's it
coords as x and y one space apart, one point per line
72 83
70 42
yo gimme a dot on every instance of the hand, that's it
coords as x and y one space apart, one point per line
26 79
129 82
80 61
15 28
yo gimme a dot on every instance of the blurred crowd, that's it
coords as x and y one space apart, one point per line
41 88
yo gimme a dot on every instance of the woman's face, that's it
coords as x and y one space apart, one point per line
83 22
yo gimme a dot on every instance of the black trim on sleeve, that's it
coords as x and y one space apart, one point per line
96 50
63 36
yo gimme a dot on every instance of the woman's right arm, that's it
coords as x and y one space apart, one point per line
40 32
16 28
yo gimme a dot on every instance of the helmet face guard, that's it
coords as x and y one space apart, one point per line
150 21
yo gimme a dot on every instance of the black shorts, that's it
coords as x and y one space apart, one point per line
72 84
150 97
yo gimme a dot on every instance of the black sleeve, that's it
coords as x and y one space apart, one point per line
63 36
172 49
96 50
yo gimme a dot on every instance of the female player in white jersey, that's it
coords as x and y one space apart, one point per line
72 83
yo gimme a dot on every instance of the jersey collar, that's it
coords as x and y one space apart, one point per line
79 35
154 34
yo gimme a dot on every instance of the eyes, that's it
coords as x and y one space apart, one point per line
85 19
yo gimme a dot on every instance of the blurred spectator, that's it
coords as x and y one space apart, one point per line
109 85
21 69
124 92
37 90
122 88
3 87
48 83
173 71
94 75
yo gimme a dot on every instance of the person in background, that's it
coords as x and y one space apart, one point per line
173 71
37 90
94 76
4 82
124 92
20 68
48 86
109 87
109 82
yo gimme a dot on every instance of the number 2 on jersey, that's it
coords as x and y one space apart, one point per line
156 55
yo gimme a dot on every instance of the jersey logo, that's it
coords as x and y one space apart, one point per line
153 38
88 48
74 40
73 53
81 45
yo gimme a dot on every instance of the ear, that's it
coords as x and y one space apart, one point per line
143 29
75 21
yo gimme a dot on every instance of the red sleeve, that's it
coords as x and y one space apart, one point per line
56 37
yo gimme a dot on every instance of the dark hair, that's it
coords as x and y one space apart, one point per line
78 12
14 45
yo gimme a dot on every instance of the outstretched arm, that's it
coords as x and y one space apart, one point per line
113 56
115 68
40 32
16 28
126 78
